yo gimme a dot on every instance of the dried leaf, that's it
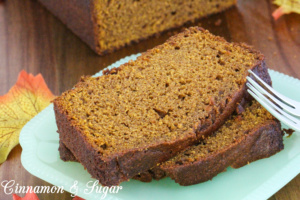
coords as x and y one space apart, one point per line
24 100
30 195
286 7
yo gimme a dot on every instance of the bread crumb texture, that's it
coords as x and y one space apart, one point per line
233 131
162 95
120 22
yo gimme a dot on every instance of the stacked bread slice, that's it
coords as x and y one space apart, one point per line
251 135
173 98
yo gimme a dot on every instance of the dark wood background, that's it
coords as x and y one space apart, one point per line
31 38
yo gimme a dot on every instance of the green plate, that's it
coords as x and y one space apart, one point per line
258 180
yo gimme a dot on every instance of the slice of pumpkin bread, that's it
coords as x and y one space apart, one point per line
252 135
145 111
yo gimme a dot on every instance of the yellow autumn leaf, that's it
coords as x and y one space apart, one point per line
24 100
286 7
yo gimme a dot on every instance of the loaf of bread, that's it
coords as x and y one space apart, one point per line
252 135
107 25
144 112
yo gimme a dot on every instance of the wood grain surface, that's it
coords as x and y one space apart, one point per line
31 38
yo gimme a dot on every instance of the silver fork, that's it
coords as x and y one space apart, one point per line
283 108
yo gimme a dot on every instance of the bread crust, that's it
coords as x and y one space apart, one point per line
78 16
268 143
238 155
64 153
262 142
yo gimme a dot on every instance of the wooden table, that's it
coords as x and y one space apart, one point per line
31 38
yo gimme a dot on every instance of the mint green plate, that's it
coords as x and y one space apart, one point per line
258 180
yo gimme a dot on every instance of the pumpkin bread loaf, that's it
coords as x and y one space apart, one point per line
252 135
107 25
144 112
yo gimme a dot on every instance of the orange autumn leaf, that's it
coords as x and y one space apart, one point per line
286 7
24 100
30 195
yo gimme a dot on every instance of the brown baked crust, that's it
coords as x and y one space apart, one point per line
79 16
125 165
262 142
267 144
64 153
206 169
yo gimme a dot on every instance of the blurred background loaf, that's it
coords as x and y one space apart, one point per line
108 25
